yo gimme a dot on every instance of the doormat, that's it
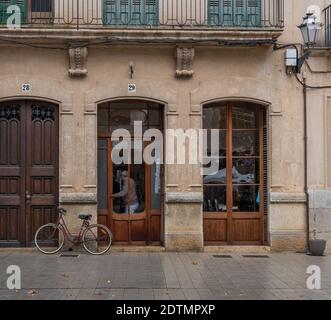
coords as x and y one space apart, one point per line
222 256
255 256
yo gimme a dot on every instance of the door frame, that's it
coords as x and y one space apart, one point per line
230 216
148 212
25 237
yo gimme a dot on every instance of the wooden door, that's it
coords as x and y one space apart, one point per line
28 169
234 193
142 226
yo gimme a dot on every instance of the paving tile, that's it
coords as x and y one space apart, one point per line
125 275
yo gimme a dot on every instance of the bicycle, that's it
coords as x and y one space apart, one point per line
96 238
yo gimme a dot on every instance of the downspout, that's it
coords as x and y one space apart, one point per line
305 128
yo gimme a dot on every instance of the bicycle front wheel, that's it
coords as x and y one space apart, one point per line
97 239
49 238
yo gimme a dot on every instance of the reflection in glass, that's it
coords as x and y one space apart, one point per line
102 174
245 143
216 177
221 150
125 118
137 181
214 117
214 199
245 171
244 116
156 186
103 120
246 199
119 203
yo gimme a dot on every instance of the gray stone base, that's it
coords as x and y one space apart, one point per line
290 242
184 242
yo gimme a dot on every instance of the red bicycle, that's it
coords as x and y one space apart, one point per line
96 238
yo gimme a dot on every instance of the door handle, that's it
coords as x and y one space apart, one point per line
27 196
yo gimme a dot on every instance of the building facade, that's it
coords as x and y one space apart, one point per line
75 71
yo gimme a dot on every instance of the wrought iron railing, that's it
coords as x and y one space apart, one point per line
327 26
148 13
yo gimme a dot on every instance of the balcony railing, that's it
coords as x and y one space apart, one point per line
167 14
327 25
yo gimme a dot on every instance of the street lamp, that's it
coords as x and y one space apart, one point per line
310 29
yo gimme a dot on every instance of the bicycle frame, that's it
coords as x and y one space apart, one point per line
74 239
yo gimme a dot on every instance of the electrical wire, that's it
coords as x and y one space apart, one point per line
308 86
316 71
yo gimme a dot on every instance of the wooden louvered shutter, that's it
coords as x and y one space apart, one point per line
240 13
151 12
220 12
253 13
130 12
4 4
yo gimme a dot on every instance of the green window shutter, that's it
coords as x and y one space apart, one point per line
254 13
4 4
234 13
240 13
220 12
130 12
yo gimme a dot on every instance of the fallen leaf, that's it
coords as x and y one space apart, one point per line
32 292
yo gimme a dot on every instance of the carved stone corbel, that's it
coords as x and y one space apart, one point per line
184 56
78 61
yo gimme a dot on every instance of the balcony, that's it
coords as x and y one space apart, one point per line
228 21
323 45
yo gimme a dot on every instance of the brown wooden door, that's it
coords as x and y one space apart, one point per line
234 205
142 226
28 169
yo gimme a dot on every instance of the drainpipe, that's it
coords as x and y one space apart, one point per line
306 157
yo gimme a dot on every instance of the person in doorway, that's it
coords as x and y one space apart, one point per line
128 195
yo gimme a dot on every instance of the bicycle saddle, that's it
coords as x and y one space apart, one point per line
85 216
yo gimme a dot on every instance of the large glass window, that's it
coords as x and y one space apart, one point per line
236 182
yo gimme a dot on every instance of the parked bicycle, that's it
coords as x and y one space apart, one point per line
95 238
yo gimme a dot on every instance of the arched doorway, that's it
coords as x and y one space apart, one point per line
235 193
129 194
29 143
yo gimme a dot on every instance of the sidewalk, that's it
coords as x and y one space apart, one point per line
163 275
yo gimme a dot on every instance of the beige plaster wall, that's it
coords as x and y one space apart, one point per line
256 74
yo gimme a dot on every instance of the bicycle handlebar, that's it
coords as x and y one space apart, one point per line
61 210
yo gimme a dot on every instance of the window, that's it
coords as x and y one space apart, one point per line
130 12
232 13
41 5
235 186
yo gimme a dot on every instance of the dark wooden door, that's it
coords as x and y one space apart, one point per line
28 169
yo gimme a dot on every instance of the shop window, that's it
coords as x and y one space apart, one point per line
236 192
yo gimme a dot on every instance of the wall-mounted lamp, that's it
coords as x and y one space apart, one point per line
310 29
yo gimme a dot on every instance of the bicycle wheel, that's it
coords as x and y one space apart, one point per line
49 238
97 239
